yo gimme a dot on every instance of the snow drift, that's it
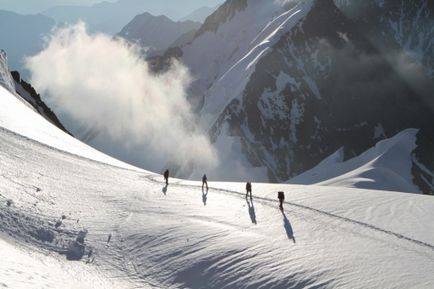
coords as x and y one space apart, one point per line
387 166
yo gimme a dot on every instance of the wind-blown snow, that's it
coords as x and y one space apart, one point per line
103 85
21 119
179 236
387 166
235 167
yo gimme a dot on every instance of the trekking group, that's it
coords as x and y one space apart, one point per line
280 194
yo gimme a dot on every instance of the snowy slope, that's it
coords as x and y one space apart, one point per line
387 166
29 94
19 118
181 237
25 268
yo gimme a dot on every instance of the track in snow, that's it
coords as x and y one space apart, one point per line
268 201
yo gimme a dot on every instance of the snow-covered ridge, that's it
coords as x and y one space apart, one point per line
18 117
228 55
386 166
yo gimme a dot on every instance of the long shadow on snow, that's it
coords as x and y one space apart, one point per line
288 227
346 219
164 190
204 196
252 212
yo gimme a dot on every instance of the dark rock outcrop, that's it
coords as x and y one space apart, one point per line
29 94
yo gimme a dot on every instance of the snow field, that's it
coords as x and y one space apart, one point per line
168 238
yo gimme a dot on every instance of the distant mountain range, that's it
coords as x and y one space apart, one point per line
23 35
156 32
110 17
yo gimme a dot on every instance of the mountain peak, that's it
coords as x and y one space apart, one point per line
156 32
224 13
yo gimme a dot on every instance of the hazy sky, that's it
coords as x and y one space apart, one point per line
35 6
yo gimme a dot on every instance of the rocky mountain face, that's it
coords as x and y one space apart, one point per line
409 24
323 86
29 94
156 32
306 78
200 14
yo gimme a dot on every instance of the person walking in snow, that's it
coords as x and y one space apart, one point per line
204 182
166 176
249 190
281 197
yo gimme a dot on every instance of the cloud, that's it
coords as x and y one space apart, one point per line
104 84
